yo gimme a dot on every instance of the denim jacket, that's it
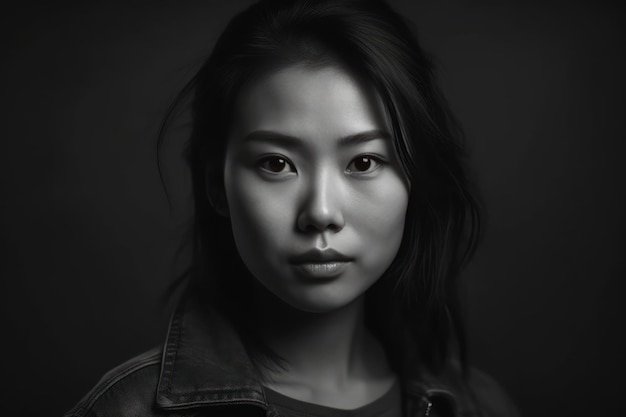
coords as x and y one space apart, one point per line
204 370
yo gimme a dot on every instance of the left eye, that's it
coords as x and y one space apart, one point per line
363 164
276 164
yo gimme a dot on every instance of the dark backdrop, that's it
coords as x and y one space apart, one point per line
88 239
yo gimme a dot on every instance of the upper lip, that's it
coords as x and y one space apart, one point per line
316 255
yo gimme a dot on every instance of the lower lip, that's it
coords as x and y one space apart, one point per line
322 269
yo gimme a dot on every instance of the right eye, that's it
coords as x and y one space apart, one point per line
276 164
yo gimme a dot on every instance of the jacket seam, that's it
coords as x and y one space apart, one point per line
104 386
170 353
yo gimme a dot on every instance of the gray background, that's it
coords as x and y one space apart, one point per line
88 241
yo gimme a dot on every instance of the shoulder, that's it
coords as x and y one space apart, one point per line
491 397
127 390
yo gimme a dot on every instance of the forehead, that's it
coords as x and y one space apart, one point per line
309 103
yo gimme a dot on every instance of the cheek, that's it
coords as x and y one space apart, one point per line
381 214
381 209
258 212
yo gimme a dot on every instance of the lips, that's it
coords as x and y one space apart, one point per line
321 269
321 263
320 256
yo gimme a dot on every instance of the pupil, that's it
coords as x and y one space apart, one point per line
276 164
362 164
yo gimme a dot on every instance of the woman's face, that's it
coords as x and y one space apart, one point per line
315 194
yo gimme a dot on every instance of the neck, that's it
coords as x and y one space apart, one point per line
331 349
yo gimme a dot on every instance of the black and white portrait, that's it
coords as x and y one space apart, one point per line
313 208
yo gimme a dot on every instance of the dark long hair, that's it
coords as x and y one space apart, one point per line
414 307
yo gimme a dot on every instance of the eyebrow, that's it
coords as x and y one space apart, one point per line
290 141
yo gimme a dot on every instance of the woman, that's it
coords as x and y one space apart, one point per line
332 217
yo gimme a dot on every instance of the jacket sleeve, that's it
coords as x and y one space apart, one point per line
127 390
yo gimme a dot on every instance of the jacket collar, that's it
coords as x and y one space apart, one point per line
205 363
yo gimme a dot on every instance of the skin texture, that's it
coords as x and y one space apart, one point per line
295 184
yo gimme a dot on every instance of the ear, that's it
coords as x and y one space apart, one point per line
216 194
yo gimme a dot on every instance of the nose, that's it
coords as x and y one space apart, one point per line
321 206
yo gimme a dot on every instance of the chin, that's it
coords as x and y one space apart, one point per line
320 303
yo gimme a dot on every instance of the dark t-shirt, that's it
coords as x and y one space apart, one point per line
389 405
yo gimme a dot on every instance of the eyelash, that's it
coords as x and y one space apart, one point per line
264 164
265 161
378 161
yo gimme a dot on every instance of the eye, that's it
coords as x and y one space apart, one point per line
364 164
276 164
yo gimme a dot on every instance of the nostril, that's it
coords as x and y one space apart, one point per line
315 224
334 227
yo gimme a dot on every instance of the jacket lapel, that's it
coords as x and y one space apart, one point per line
205 363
